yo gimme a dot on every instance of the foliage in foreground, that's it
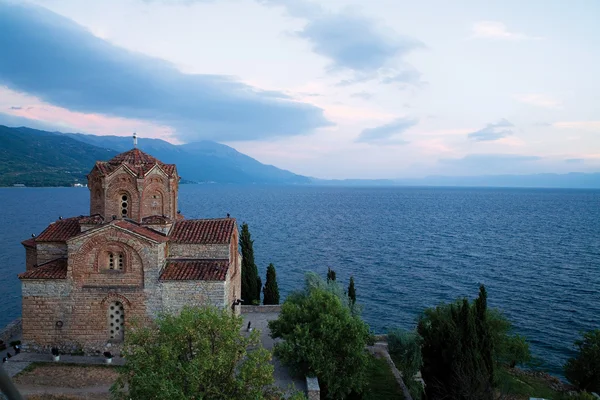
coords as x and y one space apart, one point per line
200 354
250 279
458 350
405 350
271 289
323 338
584 369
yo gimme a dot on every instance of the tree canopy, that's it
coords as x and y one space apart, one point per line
323 338
250 279
199 354
583 370
271 289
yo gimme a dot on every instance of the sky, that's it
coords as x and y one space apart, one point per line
329 89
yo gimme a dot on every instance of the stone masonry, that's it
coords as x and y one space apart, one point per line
87 278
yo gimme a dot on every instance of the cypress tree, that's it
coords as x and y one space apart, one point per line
486 348
258 289
330 275
271 290
352 292
250 290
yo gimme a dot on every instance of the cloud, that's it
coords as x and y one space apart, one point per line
408 76
578 125
16 108
539 100
384 133
348 39
362 95
497 30
63 64
575 160
493 131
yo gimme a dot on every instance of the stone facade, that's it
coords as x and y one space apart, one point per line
88 278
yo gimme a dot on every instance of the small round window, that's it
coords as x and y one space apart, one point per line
124 205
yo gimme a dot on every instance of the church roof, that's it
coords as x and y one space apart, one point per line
137 161
55 269
156 220
141 230
61 230
95 219
28 242
203 231
195 270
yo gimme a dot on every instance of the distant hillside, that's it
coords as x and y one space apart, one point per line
203 161
38 158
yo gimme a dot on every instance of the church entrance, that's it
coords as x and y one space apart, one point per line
116 321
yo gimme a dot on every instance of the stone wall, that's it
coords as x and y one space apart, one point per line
313 389
247 309
176 294
30 258
219 251
48 251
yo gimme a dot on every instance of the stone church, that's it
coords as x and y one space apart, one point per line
134 256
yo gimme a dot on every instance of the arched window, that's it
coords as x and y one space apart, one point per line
116 261
116 321
124 205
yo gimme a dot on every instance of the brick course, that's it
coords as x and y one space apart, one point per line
72 313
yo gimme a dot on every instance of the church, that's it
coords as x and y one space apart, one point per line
133 257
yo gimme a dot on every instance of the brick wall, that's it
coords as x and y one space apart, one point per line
48 251
176 294
220 251
30 257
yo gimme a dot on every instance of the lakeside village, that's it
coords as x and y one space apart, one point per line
174 306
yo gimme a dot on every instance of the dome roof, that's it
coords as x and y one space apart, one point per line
137 161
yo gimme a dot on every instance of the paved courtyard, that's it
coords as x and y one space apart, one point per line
284 378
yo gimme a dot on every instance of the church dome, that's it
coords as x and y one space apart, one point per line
137 161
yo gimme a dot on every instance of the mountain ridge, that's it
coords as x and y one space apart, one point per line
41 158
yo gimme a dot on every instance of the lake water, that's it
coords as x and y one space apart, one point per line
537 251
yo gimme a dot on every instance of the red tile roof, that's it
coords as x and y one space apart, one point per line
95 219
28 242
141 230
195 270
156 220
61 230
137 161
203 231
56 269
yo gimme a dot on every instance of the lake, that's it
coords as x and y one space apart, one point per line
536 250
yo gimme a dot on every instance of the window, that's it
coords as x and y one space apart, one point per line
116 320
116 261
124 206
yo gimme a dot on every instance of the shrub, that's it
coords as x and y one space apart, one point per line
322 338
583 370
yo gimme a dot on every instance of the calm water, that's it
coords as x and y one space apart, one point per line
537 251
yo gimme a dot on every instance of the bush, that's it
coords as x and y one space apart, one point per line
199 353
583 370
405 350
322 338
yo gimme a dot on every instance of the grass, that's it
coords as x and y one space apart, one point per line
382 383
524 387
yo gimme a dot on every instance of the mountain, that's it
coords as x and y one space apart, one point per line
39 158
203 161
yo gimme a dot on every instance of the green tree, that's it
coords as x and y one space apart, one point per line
330 275
484 338
405 350
352 292
271 290
250 288
322 338
198 354
455 360
583 370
